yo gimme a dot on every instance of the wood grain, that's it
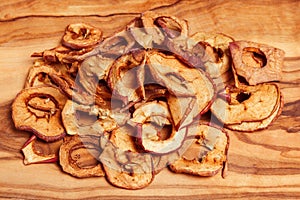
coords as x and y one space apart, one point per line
262 165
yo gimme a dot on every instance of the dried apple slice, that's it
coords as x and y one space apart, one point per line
37 151
39 74
38 110
82 119
160 139
126 77
151 29
80 35
256 63
206 154
191 91
253 103
78 156
124 166
213 50
258 125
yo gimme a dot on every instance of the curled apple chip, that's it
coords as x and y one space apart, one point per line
38 109
254 103
255 63
80 35
206 154
124 165
38 151
258 125
126 77
213 50
78 156
191 90
82 119
39 74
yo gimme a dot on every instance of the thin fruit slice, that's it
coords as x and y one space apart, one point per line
78 156
37 151
207 151
256 63
258 125
253 103
38 110
124 166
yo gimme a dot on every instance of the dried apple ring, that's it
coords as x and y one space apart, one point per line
38 110
255 63
78 156
126 77
124 165
206 153
253 103
79 36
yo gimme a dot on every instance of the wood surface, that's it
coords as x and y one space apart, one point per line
262 165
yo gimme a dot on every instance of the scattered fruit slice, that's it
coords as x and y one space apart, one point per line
207 151
81 119
191 90
37 151
38 109
258 125
126 77
124 166
213 50
79 36
78 156
253 103
255 63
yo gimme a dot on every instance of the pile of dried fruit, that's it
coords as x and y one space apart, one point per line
131 104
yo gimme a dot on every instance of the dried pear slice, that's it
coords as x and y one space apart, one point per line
258 125
206 154
255 63
253 103
38 109
78 156
37 151
124 166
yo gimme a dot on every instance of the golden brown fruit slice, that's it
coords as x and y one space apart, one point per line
255 62
82 119
253 103
258 125
37 151
126 77
38 110
124 166
78 156
206 154
80 35
213 50
39 74
191 91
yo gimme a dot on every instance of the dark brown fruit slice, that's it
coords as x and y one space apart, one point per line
38 110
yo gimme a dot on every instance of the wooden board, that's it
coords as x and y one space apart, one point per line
262 165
